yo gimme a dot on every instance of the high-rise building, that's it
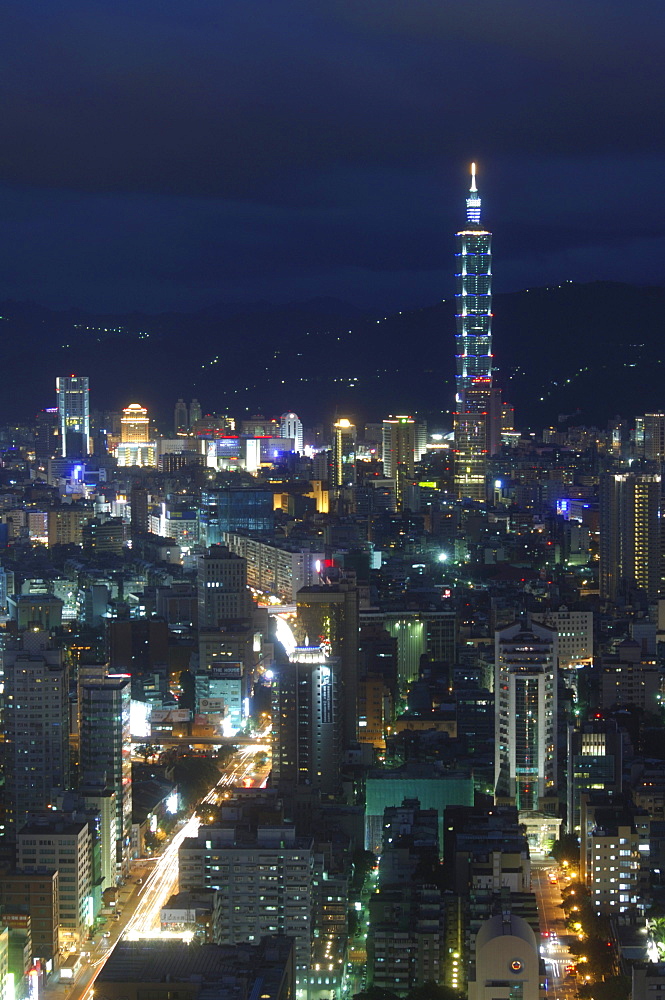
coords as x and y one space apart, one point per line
654 437
73 393
291 427
135 447
525 687
265 876
306 712
196 414
343 471
138 500
476 409
36 725
222 587
134 423
328 616
404 442
180 417
105 744
630 535
58 841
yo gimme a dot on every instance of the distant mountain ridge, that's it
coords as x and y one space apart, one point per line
596 348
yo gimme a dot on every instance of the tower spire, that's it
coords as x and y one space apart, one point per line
473 200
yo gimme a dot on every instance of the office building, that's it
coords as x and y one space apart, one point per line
475 404
525 687
575 632
404 442
343 467
241 509
654 437
265 876
73 393
35 897
630 535
65 524
307 736
276 566
55 841
180 417
36 726
138 500
222 593
134 424
402 445
328 616
595 761
196 416
105 745
291 427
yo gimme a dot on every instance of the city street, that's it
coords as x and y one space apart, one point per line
141 905
553 931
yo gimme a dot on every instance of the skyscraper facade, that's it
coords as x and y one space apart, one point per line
36 725
343 470
630 535
222 592
134 423
291 427
473 340
105 745
306 712
525 688
328 616
73 392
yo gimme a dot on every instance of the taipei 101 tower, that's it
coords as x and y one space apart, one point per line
478 409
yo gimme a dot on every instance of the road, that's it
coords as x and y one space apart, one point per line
553 931
141 905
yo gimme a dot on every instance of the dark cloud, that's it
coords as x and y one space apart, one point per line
175 154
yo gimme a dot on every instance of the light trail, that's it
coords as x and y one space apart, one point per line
160 884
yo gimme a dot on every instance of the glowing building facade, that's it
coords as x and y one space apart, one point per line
73 392
475 401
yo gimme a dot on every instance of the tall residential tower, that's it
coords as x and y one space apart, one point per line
477 415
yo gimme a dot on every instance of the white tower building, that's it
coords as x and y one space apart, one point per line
291 427
525 769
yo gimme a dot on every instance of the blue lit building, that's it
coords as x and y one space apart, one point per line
234 509
73 392
477 416
473 297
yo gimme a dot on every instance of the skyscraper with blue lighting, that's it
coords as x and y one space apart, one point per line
475 401
473 297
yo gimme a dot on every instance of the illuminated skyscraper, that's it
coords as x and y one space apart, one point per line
291 427
105 745
631 556
134 423
36 726
73 393
343 472
475 400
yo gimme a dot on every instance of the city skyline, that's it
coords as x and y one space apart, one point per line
275 153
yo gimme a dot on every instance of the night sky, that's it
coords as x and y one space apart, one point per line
173 155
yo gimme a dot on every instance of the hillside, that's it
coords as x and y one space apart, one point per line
596 348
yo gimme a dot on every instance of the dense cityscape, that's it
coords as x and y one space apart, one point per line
345 710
